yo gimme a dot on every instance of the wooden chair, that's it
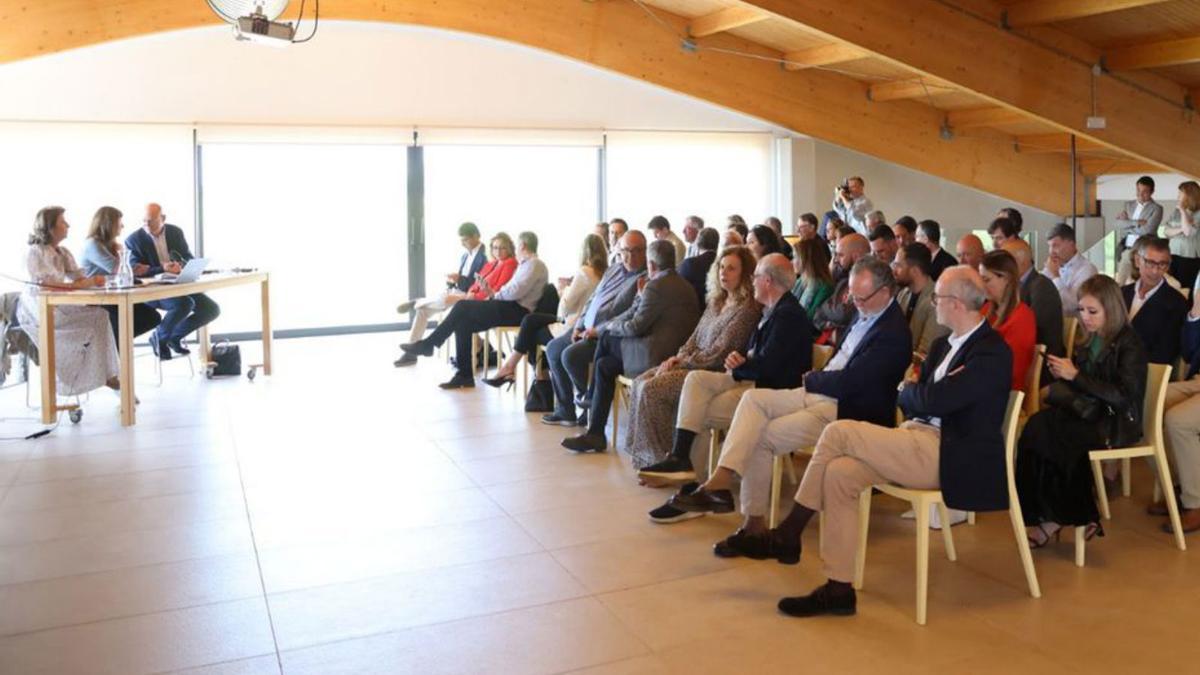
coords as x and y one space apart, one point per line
1157 377
1070 328
921 500
1033 384
621 398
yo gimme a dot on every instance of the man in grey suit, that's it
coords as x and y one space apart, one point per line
1041 295
662 317
1139 216
570 354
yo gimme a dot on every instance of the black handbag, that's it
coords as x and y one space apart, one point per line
226 359
1085 407
540 397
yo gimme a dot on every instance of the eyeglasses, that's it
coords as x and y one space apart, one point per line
1159 264
859 301
635 249
938 298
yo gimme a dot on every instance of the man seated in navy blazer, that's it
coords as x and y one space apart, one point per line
1156 310
162 247
953 440
858 383
695 268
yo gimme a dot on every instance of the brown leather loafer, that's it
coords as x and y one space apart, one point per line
1189 519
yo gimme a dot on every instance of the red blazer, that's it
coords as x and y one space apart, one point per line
497 273
1020 334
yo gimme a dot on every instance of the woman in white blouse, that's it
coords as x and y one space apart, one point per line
1183 233
538 329
85 352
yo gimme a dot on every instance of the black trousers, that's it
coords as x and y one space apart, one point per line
1053 474
534 332
145 319
468 317
605 369
1185 270
569 363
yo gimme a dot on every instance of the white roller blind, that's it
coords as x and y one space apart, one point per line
211 134
521 137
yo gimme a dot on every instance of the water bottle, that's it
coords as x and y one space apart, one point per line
125 271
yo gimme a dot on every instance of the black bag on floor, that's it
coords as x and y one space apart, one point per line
540 397
227 357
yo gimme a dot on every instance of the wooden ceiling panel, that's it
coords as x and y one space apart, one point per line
780 35
690 8
1188 75
1166 21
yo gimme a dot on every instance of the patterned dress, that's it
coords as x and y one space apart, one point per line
84 349
654 401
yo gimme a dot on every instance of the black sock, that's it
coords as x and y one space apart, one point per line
794 524
682 449
839 587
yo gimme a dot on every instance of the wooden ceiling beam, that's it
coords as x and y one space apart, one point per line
941 41
1034 12
1057 143
1099 166
829 54
725 19
984 117
1154 55
900 90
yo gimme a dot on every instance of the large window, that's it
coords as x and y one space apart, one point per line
552 191
82 167
322 219
681 174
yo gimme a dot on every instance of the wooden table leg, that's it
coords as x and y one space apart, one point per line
125 348
46 358
266 326
202 339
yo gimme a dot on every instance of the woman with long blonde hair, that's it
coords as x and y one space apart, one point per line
102 256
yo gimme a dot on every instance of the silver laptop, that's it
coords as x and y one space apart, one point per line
189 273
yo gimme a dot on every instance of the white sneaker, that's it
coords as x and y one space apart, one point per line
935 518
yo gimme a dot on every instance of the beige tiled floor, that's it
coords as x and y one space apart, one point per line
347 517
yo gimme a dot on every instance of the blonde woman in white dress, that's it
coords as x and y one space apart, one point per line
85 352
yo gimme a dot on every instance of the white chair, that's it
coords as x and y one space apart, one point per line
1157 377
921 501
621 398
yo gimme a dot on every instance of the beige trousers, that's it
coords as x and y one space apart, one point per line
1182 426
770 422
850 457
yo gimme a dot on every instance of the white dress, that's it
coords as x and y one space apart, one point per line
84 350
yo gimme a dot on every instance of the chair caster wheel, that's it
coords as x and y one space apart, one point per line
252 373
208 372
76 415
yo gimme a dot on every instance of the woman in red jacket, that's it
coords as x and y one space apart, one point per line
1010 317
496 271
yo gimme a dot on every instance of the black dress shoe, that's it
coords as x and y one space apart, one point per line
419 348
784 549
553 419
823 600
703 501
406 360
459 381
742 544
582 421
672 468
586 443
176 345
160 348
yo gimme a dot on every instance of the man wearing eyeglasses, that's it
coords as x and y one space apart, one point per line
953 441
163 248
858 383
1156 310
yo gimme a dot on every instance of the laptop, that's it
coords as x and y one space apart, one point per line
190 272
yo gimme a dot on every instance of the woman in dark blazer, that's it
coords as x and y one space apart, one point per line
1096 402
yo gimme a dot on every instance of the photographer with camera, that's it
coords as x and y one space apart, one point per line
852 205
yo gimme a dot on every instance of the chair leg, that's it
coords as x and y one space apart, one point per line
714 449
1101 493
789 469
947 535
616 410
922 512
970 517
1080 546
864 524
776 481
1018 525
1126 477
1164 477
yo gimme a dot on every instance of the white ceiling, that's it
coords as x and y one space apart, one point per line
352 73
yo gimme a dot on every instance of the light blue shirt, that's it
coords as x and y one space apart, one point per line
97 260
614 279
854 337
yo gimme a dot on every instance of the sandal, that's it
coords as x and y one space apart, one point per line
1046 537
1092 530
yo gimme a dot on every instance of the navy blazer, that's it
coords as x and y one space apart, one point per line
940 262
780 350
695 270
971 404
465 282
1159 322
1190 347
866 388
141 248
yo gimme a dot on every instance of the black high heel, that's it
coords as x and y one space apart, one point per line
498 382
1047 537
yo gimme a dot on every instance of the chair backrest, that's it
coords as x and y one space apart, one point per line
1070 327
1033 381
1011 417
1157 378
548 303
821 355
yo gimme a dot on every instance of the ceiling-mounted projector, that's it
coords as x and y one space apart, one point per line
255 20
